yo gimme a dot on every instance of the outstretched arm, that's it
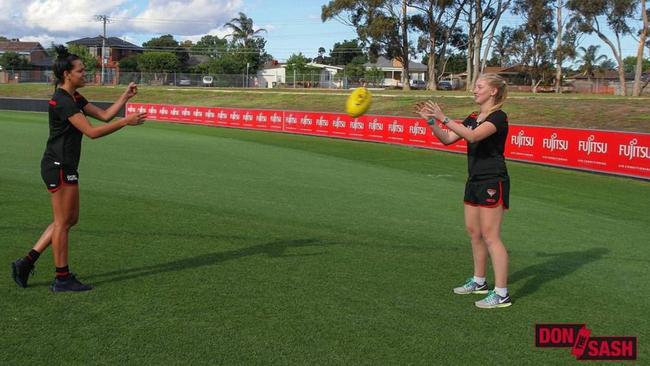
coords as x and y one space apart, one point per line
447 137
109 113
483 131
80 121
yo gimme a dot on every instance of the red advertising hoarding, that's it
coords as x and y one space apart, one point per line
621 153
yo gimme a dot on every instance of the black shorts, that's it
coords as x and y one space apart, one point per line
55 175
488 193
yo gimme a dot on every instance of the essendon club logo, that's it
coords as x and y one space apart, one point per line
583 346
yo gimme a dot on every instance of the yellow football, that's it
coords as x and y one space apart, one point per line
358 102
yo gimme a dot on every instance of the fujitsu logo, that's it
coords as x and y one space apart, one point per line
142 109
174 112
395 127
260 118
356 125
338 123
590 146
152 110
554 143
222 115
322 122
375 126
521 140
248 116
209 114
164 111
306 121
131 109
416 129
632 151
275 118
234 116
291 119
198 113
185 112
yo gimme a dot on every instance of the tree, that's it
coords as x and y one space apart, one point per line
435 33
382 24
90 62
630 64
616 14
538 25
243 31
167 43
247 41
211 46
154 61
565 42
13 61
374 76
643 35
480 16
129 64
321 56
355 70
342 53
589 60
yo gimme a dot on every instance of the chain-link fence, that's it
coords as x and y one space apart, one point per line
111 77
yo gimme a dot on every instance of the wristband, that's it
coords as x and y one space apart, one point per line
446 120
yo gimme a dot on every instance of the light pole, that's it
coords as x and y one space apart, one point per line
247 66
104 19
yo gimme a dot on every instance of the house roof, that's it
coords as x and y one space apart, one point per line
603 75
384 63
17 46
323 66
113 42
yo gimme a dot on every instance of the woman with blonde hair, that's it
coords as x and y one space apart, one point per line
488 184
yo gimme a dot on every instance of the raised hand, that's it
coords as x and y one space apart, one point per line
131 90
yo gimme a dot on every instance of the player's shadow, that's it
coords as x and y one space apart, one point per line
276 248
557 266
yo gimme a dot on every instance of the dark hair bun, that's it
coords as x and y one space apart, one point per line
61 51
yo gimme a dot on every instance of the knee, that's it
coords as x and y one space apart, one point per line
473 233
490 238
66 223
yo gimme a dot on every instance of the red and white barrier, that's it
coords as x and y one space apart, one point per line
620 153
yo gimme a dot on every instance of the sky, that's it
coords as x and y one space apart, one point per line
292 26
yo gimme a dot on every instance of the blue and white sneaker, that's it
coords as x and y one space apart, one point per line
493 300
471 287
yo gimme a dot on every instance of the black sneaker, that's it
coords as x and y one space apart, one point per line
20 271
71 283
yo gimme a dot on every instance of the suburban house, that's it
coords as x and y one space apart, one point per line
116 50
604 82
39 62
393 70
323 76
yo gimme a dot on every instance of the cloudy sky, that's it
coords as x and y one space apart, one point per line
292 25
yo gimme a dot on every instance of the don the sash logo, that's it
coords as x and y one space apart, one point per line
583 345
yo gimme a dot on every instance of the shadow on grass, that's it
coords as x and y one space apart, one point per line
557 266
272 249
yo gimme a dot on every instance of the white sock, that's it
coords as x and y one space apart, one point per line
479 280
501 291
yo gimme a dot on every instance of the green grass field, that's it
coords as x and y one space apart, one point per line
222 247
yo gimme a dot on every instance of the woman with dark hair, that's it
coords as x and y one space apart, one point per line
488 184
68 123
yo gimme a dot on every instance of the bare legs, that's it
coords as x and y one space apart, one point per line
484 228
65 207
